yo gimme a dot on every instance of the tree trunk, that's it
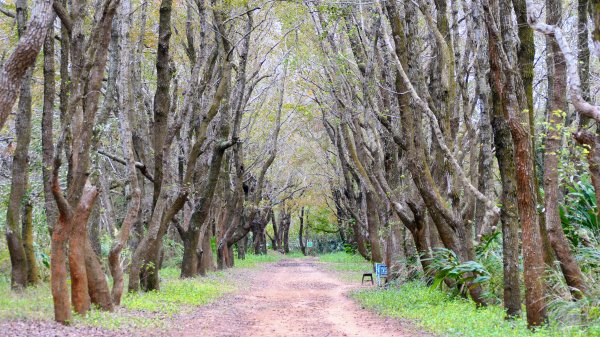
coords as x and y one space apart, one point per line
242 246
97 284
47 129
300 232
556 118
373 226
79 279
162 101
189 264
276 240
71 226
32 270
20 168
509 213
286 234
206 263
58 270
507 83
23 57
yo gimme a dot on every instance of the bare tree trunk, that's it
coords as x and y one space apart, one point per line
206 262
58 270
23 57
47 129
276 241
133 207
242 246
79 279
20 168
556 118
32 270
191 238
286 233
97 284
507 83
300 232
64 232
162 101
509 214
373 226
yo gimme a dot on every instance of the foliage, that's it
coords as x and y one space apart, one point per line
489 254
579 213
446 265
582 313
446 315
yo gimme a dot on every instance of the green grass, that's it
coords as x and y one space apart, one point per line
295 255
252 260
177 295
345 262
138 310
31 303
438 312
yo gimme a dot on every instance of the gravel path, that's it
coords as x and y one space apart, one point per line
291 298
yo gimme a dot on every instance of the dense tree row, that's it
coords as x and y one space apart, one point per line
421 100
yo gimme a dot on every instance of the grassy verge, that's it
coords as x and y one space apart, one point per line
438 312
272 256
138 310
348 267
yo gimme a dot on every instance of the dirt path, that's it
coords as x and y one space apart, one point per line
291 298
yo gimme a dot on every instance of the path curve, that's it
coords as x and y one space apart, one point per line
291 298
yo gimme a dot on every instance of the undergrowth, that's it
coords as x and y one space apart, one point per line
443 314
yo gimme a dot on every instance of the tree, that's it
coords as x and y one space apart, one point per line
24 55
20 243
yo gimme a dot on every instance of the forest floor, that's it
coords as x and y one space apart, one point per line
293 297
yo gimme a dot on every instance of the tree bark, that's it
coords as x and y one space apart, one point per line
162 101
509 214
301 232
501 49
133 206
373 226
32 270
47 129
555 120
23 57
20 167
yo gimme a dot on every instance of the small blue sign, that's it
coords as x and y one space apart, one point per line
382 270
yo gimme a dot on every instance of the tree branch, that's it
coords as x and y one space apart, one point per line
141 166
7 12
